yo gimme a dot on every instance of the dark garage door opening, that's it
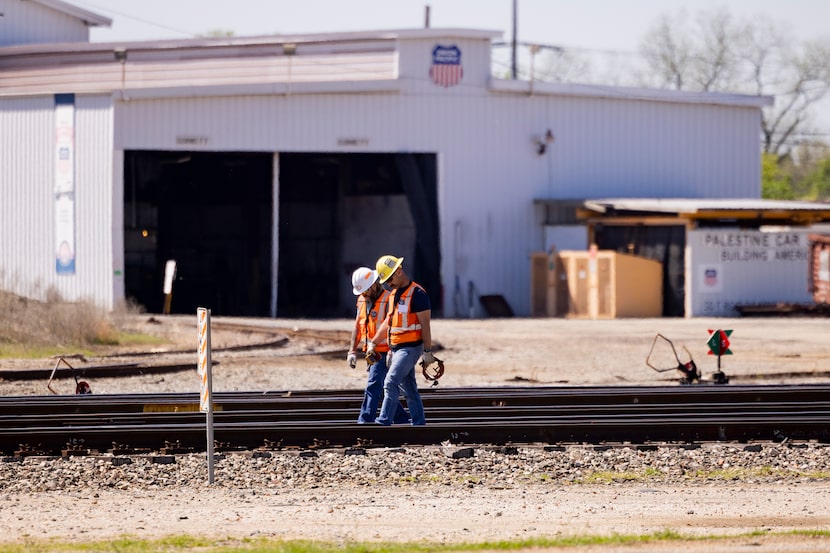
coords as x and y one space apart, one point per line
340 211
211 212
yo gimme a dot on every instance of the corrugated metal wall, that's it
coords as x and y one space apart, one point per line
489 168
27 199
28 22
94 205
27 236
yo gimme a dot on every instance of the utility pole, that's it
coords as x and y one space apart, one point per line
513 67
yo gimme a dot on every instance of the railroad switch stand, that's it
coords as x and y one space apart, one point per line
690 374
82 387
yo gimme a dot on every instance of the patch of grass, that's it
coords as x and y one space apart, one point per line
133 339
35 351
730 475
607 477
31 329
734 474
176 544
806 533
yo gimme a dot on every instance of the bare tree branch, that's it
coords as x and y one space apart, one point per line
754 58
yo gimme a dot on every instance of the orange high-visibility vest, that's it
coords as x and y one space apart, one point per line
404 326
368 323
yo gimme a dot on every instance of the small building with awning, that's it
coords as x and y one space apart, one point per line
717 254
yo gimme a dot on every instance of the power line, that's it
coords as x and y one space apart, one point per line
134 18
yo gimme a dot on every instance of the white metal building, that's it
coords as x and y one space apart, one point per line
270 167
37 21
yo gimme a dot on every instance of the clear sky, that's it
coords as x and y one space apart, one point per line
588 25
598 24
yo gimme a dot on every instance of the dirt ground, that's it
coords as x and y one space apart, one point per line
310 354
426 514
306 354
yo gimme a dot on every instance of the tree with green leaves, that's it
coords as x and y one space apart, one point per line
775 183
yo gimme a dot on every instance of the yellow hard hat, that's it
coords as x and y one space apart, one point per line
362 280
386 267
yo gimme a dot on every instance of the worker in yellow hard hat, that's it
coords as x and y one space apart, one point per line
407 331
372 303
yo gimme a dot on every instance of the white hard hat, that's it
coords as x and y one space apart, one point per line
362 280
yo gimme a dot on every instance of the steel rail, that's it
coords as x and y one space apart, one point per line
502 396
50 424
546 430
347 414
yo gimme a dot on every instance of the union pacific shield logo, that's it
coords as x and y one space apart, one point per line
446 68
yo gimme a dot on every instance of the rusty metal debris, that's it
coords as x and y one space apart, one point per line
75 448
688 369
82 387
27 450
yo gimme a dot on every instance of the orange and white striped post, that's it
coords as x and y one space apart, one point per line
206 381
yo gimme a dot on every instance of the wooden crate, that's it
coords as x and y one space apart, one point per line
548 289
604 284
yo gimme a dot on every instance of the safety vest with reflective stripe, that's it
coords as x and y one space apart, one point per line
368 323
404 326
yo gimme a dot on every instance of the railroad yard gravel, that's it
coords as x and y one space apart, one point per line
450 493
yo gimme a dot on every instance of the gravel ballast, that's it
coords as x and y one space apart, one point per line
430 494
448 494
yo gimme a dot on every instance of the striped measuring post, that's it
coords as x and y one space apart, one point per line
204 368
203 316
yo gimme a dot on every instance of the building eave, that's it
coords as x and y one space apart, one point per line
738 210
90 19
531 88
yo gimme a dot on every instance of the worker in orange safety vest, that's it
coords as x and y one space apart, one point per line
372 303
406 328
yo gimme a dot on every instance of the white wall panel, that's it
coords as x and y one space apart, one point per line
27 203
28 22
27 258
94 199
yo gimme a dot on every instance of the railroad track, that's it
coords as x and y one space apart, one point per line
172 423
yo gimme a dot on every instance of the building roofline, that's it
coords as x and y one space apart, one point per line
698 205
89 18
682 211
628 93
221 42
752 211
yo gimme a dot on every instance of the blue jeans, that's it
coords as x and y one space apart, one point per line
401 379
374 393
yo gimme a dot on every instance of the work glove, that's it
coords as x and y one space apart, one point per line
389 358
372 355
352 359
428 358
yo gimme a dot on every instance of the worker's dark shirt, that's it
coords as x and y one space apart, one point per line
419 302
